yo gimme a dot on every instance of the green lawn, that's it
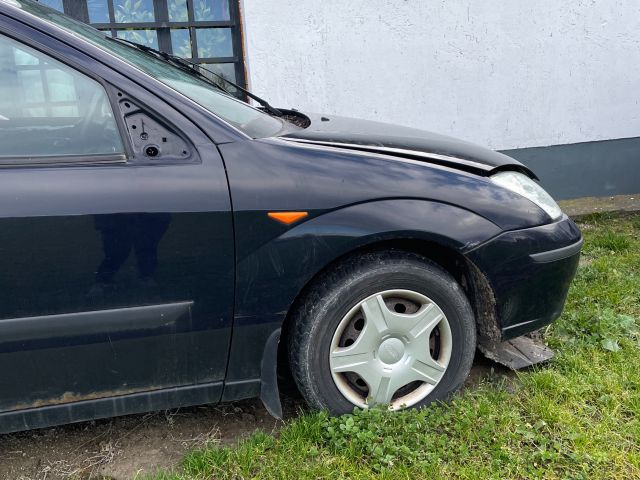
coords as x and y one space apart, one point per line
577 417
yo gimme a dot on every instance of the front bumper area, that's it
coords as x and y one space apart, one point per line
530 271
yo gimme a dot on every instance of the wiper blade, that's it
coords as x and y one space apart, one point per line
175 61
194 69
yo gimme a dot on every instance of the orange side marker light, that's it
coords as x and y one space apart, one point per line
287 217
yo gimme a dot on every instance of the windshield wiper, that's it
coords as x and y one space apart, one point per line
194 69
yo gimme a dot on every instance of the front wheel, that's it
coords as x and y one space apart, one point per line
388 328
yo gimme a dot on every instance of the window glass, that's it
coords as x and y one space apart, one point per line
251 121
216 10
204 31
178 10
143 37
98 11
57 4
225 70
214 42
133 11
181 42
49 109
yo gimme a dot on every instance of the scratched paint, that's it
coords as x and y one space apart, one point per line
72 397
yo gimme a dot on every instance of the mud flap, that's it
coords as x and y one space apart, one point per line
521 352
269 393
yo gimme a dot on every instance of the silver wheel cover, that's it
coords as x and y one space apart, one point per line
396 357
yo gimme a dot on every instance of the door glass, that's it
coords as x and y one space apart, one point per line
251 121
49 109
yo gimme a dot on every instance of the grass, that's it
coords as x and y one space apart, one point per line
578 417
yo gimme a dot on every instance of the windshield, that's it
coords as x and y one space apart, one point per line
249 120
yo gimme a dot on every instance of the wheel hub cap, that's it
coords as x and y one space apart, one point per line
390 359
391 351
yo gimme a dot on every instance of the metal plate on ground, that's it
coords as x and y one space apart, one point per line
518 353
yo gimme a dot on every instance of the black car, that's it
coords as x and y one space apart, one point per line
163 243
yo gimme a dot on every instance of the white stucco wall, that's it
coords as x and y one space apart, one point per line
504 73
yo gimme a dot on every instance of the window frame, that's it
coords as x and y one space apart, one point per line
78 159
114 96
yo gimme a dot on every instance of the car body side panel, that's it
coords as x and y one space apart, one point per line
282 175
270 277
93 408
338 189
143 254
68 333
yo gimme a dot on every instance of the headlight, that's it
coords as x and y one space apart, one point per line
523 185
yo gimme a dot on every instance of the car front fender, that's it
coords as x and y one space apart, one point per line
271 276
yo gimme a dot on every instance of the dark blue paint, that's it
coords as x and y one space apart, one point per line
114 238
300 177
364 132
529 294
121 284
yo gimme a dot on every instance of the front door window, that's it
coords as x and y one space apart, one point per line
48 109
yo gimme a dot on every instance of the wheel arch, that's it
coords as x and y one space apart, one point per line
473 282
285 269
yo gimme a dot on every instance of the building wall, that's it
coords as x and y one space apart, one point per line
507 74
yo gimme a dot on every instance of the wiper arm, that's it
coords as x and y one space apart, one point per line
272 110
194 69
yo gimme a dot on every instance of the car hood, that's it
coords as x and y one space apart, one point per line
382 138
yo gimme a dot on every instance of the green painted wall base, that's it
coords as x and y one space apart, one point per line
593 169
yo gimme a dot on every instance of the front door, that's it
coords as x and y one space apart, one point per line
116 250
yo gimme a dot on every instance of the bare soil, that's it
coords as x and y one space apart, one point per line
124 447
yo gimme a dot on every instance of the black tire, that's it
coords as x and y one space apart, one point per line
335 292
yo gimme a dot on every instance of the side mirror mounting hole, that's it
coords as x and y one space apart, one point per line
151 151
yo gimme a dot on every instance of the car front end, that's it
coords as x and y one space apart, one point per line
528 266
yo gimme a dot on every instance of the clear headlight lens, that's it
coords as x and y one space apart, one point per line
523 185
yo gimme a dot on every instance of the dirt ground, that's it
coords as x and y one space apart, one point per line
124 447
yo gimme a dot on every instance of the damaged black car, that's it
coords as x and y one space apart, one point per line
164 243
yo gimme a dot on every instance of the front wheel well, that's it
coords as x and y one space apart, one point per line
473 282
